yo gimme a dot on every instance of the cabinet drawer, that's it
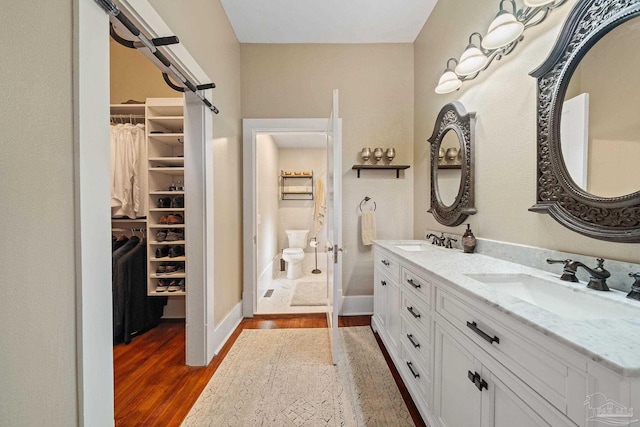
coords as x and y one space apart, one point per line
546 374
417 283
417 342
416 373
416 313
388 263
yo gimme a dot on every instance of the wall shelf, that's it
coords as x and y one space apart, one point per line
449 166
397 168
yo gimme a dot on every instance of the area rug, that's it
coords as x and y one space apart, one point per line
285 377
310 293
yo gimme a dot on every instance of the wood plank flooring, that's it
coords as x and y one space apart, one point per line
154 387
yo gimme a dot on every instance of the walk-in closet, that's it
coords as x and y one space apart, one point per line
149 277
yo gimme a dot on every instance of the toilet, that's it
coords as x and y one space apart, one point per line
294 254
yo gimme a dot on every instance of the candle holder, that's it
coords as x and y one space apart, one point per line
377 154
365 154
390 154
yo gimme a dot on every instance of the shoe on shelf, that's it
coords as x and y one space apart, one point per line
183 285
174 286
161 235
162 252
173 236
162 269
175 219
176 251
163 219
177 202
162 286
164 202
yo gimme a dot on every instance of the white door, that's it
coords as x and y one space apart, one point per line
334 224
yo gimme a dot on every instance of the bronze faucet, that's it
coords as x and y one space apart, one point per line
635 288
598 275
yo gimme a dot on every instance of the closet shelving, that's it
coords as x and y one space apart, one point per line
296 187
165 149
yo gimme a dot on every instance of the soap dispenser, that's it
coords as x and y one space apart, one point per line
468 241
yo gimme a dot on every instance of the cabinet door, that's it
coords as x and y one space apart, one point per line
501 406
380 285
457 400
394 305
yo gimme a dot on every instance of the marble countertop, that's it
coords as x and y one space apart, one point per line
613 343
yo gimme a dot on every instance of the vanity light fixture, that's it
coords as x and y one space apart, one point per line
449 81
504 29
503 35
473 59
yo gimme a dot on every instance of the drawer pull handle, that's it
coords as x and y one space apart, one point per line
415 344
414 373
416 315
383 282
414 284
490 339
385 262
479 382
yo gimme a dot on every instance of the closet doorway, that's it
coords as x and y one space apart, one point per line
92 177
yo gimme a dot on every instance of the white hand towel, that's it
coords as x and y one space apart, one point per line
368 223
320 206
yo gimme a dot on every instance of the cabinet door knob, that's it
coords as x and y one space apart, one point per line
383 283
475 378
385 262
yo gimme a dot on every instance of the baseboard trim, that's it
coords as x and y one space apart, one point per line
358 305
224 330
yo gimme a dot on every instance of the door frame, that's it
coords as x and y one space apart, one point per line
250 129
92 175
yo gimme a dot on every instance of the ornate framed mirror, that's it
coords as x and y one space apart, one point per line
452 165
589 122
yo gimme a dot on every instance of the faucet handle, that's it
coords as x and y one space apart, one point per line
449 240
559 261
569 271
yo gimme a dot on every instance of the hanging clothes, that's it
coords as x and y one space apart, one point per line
128 171
320 206
133 311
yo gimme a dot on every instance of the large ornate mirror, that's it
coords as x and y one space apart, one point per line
452 195
589 122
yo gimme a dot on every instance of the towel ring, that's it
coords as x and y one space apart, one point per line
366 199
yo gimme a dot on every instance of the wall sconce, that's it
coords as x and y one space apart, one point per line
501 38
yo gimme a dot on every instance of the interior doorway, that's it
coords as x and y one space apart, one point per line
284 161
92 178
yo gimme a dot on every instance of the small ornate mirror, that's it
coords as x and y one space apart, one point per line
588 126
452 195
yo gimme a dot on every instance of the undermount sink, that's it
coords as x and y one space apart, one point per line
564 301
412 248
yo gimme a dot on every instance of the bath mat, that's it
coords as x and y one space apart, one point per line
310 293
284 377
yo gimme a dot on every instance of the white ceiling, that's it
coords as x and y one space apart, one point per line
299 139
327 21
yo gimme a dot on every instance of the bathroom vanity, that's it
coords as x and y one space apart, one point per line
480 341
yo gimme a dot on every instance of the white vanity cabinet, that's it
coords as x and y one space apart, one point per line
386 302
466 362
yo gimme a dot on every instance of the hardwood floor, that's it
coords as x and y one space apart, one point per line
154 387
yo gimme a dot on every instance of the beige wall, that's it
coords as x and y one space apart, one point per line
614 128
203 28
38 338
504 98
134 77
298 214
376 105
267 196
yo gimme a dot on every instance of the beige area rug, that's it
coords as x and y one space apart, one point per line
310 293
284 377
